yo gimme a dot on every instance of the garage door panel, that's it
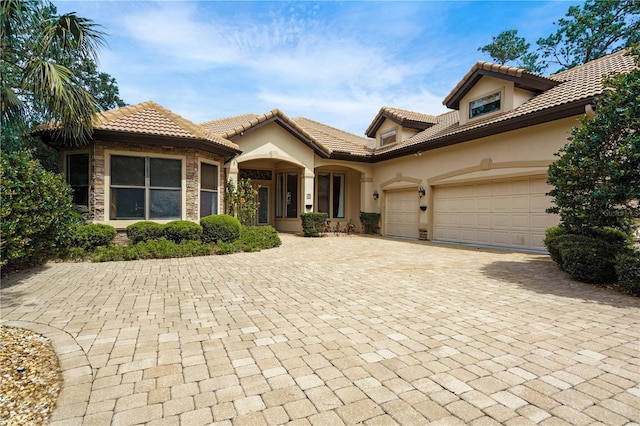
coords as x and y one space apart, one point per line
500 221
520 203
402 214
520 187
500 213
520 221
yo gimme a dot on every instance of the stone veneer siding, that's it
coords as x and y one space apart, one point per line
98 191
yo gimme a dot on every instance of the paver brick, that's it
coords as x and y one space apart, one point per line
503 336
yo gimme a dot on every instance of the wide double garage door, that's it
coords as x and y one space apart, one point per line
502 213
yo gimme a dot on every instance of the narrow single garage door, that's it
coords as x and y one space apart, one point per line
507 213
402 212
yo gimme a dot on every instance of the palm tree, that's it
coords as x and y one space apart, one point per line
35 45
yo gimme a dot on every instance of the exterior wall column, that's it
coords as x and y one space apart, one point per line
232 171
367 203
308 191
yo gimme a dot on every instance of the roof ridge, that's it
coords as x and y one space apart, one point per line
221 120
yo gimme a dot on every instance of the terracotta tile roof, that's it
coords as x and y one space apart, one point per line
149 118
235 126
226 125
404 117
579 84
336 140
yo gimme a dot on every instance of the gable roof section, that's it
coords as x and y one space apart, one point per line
234 127
410 119
520 77
575 89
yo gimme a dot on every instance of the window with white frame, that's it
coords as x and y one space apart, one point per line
387 138
145 188
78 177
485 105
331 194
208 189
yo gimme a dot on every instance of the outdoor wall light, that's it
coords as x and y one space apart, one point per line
376 195
421 191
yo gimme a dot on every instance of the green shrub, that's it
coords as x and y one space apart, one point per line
144 231
36 212
628 271
554 236
153 249
588 259
313 223
612 236
182 230
369 221
226 248
220 227
90 237
256 238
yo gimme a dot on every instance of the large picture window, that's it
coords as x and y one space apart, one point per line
331 194
208 189
145 188
78 178
287 195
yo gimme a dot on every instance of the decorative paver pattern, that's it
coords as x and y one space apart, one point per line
348 329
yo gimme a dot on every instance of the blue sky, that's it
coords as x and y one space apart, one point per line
333 62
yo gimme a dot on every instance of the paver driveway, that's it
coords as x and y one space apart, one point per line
334 330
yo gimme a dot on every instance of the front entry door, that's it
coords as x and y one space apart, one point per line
263 208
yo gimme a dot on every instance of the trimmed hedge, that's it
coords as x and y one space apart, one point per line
182 230
313 223
144 231
628 270
369 221
92 236
153 249
588 258
220 227
256 238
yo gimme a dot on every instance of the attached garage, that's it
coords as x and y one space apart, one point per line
402 213
502 213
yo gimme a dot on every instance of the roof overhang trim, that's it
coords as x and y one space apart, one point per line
525 80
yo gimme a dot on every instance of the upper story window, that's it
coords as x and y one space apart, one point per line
387 138
485 105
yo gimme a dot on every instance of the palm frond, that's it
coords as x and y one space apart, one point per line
66 103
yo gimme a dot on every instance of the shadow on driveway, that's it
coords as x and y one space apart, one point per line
540 274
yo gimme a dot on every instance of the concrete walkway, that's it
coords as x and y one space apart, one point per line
335 330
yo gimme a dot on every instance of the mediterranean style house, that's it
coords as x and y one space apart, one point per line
475 174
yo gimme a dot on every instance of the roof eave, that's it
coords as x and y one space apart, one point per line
539 117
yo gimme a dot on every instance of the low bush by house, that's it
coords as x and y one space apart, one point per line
220 227
596 256
182 230
313 223
628 270
251 239
92 236
144 231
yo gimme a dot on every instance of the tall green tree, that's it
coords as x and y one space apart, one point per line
596 180
596 29
37 81
506 47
